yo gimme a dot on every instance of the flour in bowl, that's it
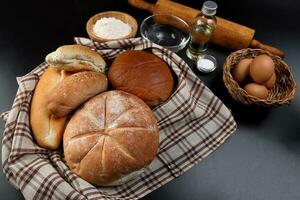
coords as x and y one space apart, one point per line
111 28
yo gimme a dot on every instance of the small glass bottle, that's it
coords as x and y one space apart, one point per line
202 30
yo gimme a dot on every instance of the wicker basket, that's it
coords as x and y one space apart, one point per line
283 91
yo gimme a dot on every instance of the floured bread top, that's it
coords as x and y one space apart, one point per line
76 58
113 135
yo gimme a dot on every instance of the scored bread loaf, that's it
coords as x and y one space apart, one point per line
142 74
47 130
111 138
76 58
74 91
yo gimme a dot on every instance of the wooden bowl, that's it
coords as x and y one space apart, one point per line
118 15
282 93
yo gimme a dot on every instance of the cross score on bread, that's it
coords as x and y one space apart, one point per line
111 136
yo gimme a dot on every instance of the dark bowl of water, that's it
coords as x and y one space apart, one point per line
168 31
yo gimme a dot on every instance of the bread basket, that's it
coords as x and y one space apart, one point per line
124 17
184 140
282 93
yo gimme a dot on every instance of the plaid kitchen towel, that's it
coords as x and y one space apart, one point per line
192 124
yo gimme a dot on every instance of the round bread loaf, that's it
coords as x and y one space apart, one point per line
142 74
47 129
111 137
74 91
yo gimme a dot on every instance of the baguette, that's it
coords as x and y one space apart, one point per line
47 129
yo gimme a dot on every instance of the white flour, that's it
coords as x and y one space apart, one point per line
111 28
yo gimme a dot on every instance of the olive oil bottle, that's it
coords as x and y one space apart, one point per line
202 30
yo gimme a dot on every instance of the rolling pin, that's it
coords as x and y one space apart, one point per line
227 34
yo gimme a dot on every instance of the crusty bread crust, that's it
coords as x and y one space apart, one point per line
76 58
75 90
47 130
113 135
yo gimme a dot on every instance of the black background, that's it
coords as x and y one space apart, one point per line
260 161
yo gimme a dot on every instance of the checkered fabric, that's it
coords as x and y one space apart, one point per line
192 124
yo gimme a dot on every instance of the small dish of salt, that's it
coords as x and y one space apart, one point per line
206 63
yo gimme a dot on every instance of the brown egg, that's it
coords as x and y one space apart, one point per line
256 90
261 68
271 82
241 70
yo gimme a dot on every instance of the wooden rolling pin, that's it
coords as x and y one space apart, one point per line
227 34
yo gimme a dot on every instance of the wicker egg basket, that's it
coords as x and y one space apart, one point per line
282 93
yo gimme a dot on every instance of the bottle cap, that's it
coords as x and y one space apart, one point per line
209 8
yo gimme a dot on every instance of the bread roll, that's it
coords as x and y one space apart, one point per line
142 74
47 130
110 138
76 58
74 91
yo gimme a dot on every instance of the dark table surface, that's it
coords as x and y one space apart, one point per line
260 161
